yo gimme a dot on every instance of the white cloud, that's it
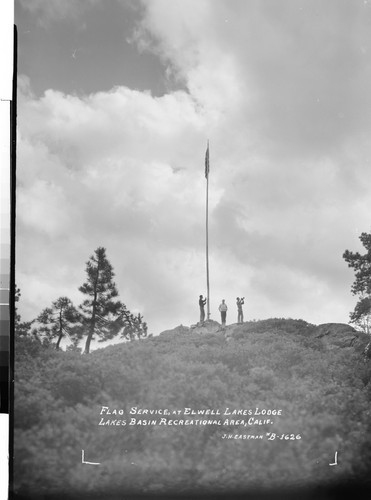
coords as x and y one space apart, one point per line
280 91
116 170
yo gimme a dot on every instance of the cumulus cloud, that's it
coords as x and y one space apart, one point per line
114 169
293 124
281 92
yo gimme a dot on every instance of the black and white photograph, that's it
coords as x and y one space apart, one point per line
192 249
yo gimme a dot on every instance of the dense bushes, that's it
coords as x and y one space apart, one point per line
324 395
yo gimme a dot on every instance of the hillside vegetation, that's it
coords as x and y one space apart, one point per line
305 389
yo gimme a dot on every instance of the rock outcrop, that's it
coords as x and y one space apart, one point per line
332 335
341 335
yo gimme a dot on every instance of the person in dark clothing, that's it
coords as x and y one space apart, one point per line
240 303
202 302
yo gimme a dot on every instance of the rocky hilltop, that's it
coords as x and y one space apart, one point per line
331 335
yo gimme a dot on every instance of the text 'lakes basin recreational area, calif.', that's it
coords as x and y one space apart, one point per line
262 405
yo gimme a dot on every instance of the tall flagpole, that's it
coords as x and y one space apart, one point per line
207 169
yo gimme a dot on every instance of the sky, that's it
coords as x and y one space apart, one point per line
116 102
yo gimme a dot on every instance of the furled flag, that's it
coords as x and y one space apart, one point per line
207 165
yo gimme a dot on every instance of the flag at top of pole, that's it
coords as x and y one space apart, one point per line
207 164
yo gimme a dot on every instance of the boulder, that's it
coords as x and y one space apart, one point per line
340 335
209 326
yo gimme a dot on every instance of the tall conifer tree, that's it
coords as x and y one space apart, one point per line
99 308
361 316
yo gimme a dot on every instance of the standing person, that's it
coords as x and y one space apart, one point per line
202 302
240 303
223 311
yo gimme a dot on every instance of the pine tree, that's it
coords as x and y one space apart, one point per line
131 326
60 320
21 328
100 310
361 316
26 342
